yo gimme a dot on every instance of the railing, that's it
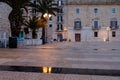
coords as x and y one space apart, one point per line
96 28
59 22
89 2
77 28
59 30
114 27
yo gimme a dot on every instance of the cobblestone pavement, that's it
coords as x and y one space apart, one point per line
104 56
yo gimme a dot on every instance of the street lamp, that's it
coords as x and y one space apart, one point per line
44 35
108 29
46 15
66 33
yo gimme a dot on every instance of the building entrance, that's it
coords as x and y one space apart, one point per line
60 37
77 37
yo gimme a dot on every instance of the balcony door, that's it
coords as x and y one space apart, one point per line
95 24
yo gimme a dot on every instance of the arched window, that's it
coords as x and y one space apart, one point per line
95 10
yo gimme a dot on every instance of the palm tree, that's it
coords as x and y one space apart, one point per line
45 6
34 24
15 16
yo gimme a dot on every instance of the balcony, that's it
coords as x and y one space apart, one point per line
91 2
60 22
59 30
114 27
77 27
96 27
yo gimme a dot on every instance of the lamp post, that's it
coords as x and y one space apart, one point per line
66 33
108 29
44 35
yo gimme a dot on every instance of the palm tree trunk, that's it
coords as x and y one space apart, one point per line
43 35
13 25
34 35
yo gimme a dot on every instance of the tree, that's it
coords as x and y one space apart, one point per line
33 23
15 16
45 7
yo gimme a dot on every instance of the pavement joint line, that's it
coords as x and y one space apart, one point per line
61 70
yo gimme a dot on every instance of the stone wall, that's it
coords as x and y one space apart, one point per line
4 22
87 16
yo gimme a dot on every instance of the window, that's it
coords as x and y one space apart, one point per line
50 25
33 10
113 24
60 3
59 18
77 10
95 34
113 34
95 24
59 27
77 25
50 18
95 10
60 10
113 10
34 2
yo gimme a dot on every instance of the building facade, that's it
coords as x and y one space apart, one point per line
86 20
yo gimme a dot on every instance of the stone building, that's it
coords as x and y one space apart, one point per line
86 20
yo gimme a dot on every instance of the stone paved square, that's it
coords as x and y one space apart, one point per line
60 56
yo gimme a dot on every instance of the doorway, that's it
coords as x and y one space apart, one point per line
77 37
60 37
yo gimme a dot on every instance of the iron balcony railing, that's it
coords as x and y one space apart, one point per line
114 27
77 28
96 27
